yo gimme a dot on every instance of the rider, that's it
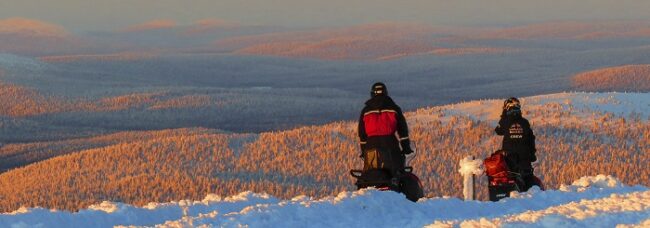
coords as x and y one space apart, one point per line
518 141
380 119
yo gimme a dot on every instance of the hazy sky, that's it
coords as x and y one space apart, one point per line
112 14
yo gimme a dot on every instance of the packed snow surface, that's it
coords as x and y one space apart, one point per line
599 201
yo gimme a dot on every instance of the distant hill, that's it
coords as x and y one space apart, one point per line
29 27
375 41
578 30
32 116
20 101
21 154
151 25
31 37
630 78
358 42
34 37
387 41
171 37
121 56
578 134
381 41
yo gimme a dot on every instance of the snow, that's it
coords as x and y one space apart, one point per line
600 181
645 223
599 201
604 212
619 104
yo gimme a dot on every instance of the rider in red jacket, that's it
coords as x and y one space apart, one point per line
380 120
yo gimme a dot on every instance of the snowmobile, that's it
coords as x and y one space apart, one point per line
501 180
402 181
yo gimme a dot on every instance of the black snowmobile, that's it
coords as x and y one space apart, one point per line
501 180
403 181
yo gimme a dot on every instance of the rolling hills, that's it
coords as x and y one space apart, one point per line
374 41
632 78
389 41
256 78
578 134
361 42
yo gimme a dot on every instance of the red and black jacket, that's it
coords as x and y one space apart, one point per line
380 119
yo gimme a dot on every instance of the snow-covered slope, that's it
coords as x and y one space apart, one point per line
579 105
598 201
578 134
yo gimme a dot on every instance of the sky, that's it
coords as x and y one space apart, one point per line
114 14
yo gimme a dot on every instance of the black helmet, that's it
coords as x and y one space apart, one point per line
512 106
378 89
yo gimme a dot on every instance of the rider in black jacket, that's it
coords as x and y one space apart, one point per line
518 140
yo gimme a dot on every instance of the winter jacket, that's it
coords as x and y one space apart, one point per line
380 119
518 141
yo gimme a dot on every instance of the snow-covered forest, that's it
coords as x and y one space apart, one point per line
578 134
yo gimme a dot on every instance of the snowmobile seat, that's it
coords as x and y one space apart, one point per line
404 181
378 178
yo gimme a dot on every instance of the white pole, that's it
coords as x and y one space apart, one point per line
469 167
468 187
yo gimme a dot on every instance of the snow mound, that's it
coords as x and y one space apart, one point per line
106 206
600 181
589 201
603 212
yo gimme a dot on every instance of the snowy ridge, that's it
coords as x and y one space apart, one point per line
581 104
599 200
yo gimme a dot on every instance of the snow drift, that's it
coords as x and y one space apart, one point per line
599 200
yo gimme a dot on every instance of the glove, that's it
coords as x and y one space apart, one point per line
533 164
406 146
